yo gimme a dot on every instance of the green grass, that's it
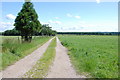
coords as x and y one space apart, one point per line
94 56
41 68
13 49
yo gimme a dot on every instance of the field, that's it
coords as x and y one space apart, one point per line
13 49
94 56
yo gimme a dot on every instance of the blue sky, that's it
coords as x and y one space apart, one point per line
67 16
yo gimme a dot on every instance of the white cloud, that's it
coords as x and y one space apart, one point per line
44 23
57 22
57 18
10 16
78 17
54 22
69 15
50 21
82 26
98 1
6 26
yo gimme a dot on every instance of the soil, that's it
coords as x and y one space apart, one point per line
62 68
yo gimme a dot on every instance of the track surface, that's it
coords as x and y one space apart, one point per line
18 69
62 68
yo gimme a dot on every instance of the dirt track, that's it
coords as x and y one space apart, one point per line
62 68
22 66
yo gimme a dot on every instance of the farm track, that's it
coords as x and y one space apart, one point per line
62 68
18 69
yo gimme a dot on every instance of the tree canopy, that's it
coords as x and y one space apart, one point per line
27 22
46 30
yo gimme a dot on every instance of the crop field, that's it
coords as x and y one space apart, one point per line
13 49
94 56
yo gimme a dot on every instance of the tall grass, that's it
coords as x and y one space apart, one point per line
41 68
93 55
13 49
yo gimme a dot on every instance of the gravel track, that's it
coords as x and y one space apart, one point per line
62 68
18 69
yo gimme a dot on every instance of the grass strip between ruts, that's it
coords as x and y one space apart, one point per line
41 68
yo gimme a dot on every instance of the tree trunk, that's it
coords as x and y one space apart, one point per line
26 38
22 37
30 38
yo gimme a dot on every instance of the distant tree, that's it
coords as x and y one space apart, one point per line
12 32
27 21
1 33
54 33
46 30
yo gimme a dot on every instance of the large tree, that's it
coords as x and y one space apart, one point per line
27 22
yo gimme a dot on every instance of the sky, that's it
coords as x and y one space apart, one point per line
67 16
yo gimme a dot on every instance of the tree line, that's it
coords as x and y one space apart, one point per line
27 24
45 31
89 33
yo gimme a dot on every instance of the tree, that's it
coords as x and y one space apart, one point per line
12 32
54 33
46 30
27 21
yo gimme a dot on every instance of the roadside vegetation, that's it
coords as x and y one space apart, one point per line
26 27
95 56
42 66
13 49
27 24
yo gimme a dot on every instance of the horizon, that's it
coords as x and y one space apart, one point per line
67 16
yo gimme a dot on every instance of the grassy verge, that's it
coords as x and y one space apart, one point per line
93 55
41 68
13 49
